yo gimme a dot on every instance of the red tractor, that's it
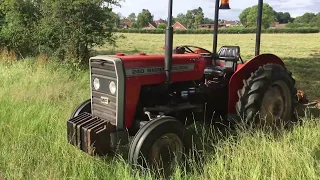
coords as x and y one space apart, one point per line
153 98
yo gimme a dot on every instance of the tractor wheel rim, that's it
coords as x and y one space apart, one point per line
165 152
276 103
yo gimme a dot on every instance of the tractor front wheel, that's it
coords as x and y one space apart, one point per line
159 145
83 107
268 97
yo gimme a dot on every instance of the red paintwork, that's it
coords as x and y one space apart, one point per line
134 83
243 72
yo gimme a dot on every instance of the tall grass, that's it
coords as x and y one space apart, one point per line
36 101
37 97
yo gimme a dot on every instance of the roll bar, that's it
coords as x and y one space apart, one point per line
224 5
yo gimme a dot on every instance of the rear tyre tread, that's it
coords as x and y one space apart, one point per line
251 95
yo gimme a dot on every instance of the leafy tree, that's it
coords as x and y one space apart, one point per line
283 18
2 21
132 17
19 19
190 19
316 21
244 15
135 25
181 18
286 17
83 25
208 21
2 17
194 18
307 18
250 18
144 18
199 17
68 29
116 18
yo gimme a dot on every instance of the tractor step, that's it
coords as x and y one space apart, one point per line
90 134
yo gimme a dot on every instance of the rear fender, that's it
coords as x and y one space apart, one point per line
243 72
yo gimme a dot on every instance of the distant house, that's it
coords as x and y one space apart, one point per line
231 23
210 26
160 21
125 24
277 25
179 26
150 26
206 26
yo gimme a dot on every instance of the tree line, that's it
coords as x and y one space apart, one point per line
194 17
249 15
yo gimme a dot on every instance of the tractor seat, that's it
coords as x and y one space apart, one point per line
230 55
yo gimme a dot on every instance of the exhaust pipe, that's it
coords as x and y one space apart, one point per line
169 45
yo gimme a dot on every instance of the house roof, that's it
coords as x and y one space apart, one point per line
230 22
159 21
278 25
151 25
205 24
154 24
180 24
126 21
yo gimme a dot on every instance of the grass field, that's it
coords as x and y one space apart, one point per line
36 100
301 52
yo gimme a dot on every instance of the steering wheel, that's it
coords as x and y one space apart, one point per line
187 47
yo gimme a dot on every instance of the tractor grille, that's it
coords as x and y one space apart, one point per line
105 71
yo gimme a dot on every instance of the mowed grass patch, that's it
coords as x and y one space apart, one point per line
300 52
37 100
283 45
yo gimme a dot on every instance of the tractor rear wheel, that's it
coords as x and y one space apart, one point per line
158 145
83 107
268 97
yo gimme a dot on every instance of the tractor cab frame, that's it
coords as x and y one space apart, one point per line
153 98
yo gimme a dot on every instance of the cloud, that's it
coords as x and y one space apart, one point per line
295 7
159 7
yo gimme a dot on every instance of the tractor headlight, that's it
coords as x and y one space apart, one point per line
112 87
96 83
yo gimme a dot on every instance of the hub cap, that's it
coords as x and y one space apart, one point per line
276 104
165 152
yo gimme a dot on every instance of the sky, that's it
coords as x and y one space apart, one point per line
159 7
